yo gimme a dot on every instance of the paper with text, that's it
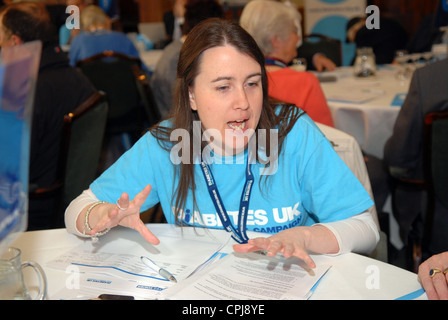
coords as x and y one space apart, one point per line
119 260
250 277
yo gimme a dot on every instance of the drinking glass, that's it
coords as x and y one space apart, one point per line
365 65
402 57
12 285
298 64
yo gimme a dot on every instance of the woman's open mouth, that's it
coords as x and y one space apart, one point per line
237 124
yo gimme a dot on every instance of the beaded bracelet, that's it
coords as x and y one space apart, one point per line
87 225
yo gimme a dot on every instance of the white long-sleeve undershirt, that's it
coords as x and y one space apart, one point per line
355 234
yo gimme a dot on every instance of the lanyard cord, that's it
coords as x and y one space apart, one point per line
275 62
238 234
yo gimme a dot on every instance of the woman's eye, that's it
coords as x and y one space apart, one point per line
223 88
253 83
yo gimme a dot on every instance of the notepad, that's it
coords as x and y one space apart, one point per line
398 99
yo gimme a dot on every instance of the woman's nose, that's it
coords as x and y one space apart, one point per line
242 102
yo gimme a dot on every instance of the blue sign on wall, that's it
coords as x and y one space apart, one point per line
330 17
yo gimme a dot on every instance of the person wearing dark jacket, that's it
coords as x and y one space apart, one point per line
390 37
60 88
403 151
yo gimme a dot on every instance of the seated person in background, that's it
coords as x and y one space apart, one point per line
317 61
222 88
403 152
276 28
320 62
384 41
173 21
163 80
60 89
97 37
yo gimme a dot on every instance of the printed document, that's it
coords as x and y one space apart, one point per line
250 276
204 266
115 266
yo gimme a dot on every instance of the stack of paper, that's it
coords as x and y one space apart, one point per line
250 277
116 267
201 269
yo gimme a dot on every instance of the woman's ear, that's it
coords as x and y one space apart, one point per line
16 40
275 41
192 100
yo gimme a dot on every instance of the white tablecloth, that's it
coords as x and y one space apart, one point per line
351 276
150 58
364 107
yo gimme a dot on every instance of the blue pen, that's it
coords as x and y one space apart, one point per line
151 264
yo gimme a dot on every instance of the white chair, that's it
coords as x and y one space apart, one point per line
354 122
348 149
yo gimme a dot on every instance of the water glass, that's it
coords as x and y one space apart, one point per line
298 64
12 285
365 65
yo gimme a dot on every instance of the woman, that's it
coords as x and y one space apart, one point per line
276 28
221 97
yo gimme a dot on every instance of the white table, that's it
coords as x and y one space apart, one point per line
370 122
351 276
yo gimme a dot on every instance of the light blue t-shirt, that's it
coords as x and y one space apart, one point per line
311 184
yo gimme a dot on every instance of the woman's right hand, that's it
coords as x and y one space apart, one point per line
126 213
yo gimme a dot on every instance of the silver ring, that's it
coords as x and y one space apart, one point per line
118 205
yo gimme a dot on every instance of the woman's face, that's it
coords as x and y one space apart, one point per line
227 94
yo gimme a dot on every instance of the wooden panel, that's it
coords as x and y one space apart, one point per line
153 10
408 12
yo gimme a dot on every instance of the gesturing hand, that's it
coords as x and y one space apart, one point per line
127 214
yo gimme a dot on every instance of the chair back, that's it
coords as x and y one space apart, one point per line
79 157
350 152
315 42
118 76
83 134
436 154
147 97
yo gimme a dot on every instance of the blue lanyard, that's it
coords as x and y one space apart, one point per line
275 62
238 234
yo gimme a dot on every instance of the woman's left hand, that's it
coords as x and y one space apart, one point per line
289 242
